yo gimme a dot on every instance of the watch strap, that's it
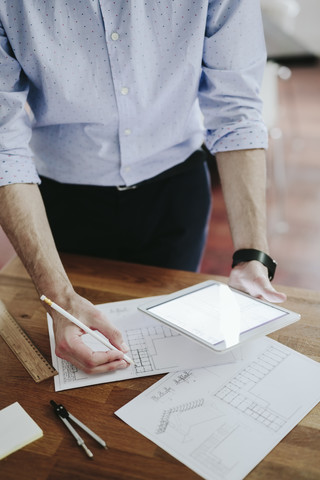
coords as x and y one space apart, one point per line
248 254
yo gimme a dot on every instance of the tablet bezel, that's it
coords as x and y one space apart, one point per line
288 318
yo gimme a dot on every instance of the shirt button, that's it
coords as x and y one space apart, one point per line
114 36
124 90
127 131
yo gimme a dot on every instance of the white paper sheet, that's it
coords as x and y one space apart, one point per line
222 421
154 348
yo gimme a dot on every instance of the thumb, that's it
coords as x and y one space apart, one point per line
262 288
271 295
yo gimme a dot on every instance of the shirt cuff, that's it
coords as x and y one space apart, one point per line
227 139
17 169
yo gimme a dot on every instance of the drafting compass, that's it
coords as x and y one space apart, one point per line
65 416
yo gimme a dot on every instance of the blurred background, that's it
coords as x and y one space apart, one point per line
291 92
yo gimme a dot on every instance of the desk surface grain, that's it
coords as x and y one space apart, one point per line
130 456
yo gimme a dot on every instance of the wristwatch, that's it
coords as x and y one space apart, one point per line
248 254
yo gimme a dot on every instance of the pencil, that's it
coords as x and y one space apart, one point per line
83 327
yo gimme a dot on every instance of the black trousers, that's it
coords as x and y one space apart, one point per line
161 223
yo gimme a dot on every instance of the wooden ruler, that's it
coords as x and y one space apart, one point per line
23 348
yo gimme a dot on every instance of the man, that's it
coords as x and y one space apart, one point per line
118 92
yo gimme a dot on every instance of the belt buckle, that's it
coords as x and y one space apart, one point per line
123 188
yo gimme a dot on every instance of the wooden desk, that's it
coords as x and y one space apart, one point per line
130 456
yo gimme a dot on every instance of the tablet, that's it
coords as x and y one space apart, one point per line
218 316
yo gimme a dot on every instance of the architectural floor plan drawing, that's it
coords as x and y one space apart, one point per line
238 392
154 348
221 421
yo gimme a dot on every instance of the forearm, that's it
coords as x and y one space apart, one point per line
23 218
243 180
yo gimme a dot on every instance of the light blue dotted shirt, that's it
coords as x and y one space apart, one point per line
118 91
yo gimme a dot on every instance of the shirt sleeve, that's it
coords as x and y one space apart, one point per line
234 58
16 163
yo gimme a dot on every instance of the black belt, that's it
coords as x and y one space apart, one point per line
197 157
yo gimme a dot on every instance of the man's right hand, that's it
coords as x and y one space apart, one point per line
69 343
24 220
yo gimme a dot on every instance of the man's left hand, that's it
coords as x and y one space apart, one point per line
252 278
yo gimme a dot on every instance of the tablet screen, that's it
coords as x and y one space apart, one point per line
215 314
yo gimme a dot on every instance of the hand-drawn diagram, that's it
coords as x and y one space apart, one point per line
154 349
168 414
238 392
222 420
143 345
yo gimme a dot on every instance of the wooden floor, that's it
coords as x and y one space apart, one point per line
293 199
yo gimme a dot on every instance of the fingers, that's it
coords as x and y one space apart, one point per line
96 320
262 288
252 278
113 334
70 346
82 357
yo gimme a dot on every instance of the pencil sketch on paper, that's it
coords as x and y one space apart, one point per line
154 348
169 415
239 391
144 345
222 420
